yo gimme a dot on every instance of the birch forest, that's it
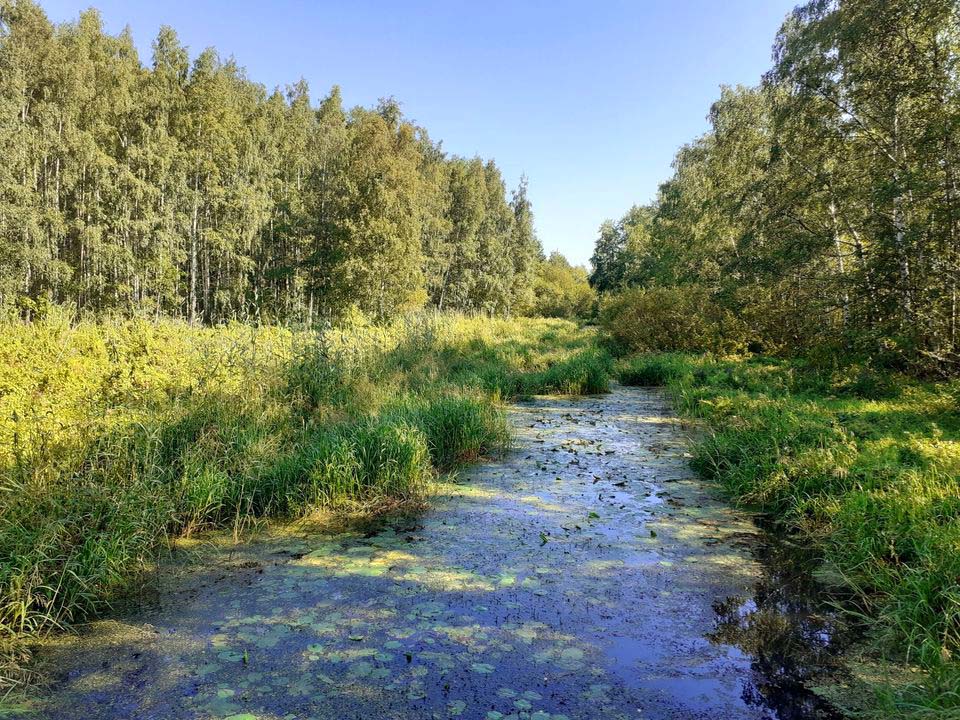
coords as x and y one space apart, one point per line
820 212
181 188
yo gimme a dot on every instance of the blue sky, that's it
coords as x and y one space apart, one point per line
589 99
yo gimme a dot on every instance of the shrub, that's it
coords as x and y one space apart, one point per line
562 290
674 319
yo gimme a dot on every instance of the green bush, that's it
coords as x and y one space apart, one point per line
671 319
71 546
562 290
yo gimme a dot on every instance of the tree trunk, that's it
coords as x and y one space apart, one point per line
192 299
844 292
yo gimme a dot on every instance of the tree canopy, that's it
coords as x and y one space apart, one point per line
184 188
821 207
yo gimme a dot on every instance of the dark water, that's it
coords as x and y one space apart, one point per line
787 627
587 574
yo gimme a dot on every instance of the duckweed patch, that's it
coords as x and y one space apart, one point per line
459 611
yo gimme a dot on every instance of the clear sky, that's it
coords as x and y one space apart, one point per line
589 99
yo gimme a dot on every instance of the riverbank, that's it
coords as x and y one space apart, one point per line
116 437
864 467
586 573
158 433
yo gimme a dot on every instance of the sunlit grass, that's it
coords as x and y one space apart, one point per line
118 436
866 465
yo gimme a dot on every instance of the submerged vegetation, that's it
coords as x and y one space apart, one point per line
116 436
864 465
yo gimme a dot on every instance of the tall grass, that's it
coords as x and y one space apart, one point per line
116 436
652 370
373 460
864 464
457 428
585 373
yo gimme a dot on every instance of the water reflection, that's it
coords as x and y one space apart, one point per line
588 574
792 634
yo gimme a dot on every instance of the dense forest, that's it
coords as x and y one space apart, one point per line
185 189
821 210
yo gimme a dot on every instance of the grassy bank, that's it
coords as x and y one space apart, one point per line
864 464
115 437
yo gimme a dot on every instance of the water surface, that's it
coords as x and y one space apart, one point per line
585 574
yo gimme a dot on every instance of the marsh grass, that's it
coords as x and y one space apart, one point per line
585 373
651 370
371 461
117 436
457 428
863 463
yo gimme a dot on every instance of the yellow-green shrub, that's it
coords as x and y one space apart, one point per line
671 319
115 435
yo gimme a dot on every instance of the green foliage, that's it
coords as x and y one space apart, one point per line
116 436
586 373
561 290
651 370
620 253
869 477
820 209
671 319
458 428
485 262
371 461
186 189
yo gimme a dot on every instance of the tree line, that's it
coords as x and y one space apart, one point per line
821 208
185 189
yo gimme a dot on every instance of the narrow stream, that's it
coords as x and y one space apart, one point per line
586 574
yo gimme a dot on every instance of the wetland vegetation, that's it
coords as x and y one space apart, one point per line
224 310
161 429
863 468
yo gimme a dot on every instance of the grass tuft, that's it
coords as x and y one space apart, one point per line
585 373
651 370
370 462
458 428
